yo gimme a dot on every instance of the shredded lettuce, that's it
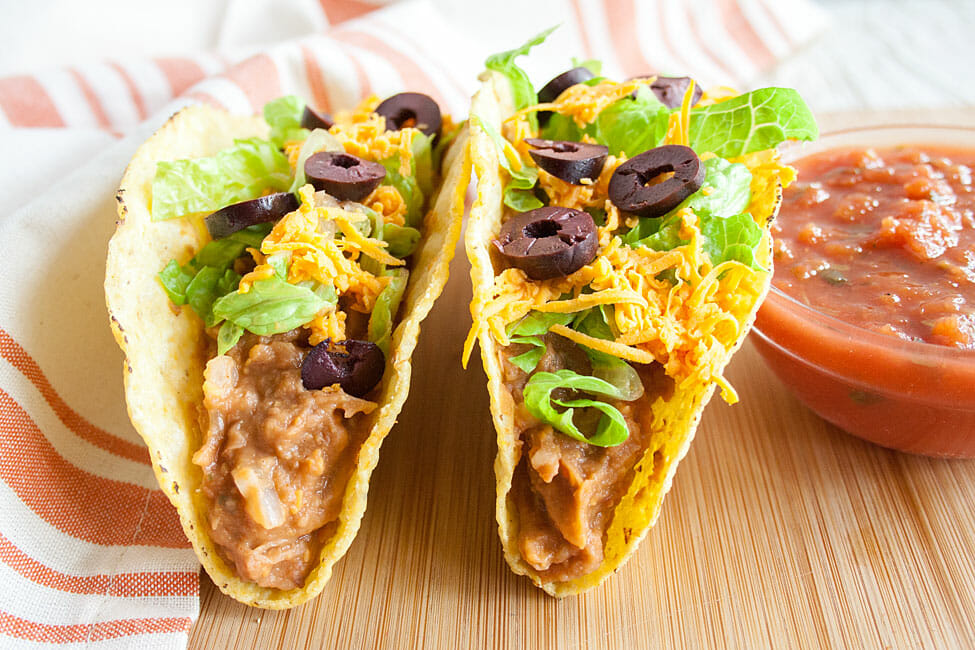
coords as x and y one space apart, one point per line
726 190
402 240
761 119
228 336
384 312
529 331
518 193
611 429
731 238
594 66
284 117
408 188
563 127
218 256
632 125
595 322
317 141
196 186
422 149
658 233
175 279
522 91
273 306
280 262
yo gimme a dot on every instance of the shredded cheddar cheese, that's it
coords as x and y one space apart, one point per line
584 103
316 254
672 307
387 201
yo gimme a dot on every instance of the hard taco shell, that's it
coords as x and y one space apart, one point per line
675 419
165 346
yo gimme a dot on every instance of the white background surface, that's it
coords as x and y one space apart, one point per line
879 54
875 54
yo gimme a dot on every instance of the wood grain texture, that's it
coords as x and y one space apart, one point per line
780 531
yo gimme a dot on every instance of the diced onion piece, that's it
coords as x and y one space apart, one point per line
260 498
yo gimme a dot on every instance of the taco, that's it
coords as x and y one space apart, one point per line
619 247
266 282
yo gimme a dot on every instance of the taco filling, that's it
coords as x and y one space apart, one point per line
620 250
311 236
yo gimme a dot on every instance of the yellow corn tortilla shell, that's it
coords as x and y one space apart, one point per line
165 347
675 419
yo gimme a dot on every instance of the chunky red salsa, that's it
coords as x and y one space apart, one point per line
884 239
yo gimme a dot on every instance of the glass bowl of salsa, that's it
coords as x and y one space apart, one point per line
870 320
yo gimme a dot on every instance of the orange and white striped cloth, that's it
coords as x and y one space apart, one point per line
91 553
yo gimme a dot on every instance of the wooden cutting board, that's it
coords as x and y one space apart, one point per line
780 531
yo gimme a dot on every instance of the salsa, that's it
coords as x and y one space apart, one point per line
884 239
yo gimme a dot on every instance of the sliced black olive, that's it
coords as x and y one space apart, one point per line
411 110
312 119
670 90
551 91
356 366
570 161
344 176
632 187
238 216
549 242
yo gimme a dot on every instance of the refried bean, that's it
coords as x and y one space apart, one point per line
566 491
275 458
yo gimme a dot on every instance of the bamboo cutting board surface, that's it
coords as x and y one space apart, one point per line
780 531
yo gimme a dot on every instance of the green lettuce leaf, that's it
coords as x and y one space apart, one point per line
384 312
518 193
218 256
731 238
562 127
761 119
284 117
280 262
208 285
175 279
228 336
594 66
272 306
611 429
245 171
317 141
408 187
633 125
529 331
522 91
402 240
422 149
726 190
658 233
595 322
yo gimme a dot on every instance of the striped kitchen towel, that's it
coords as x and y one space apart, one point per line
91 553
